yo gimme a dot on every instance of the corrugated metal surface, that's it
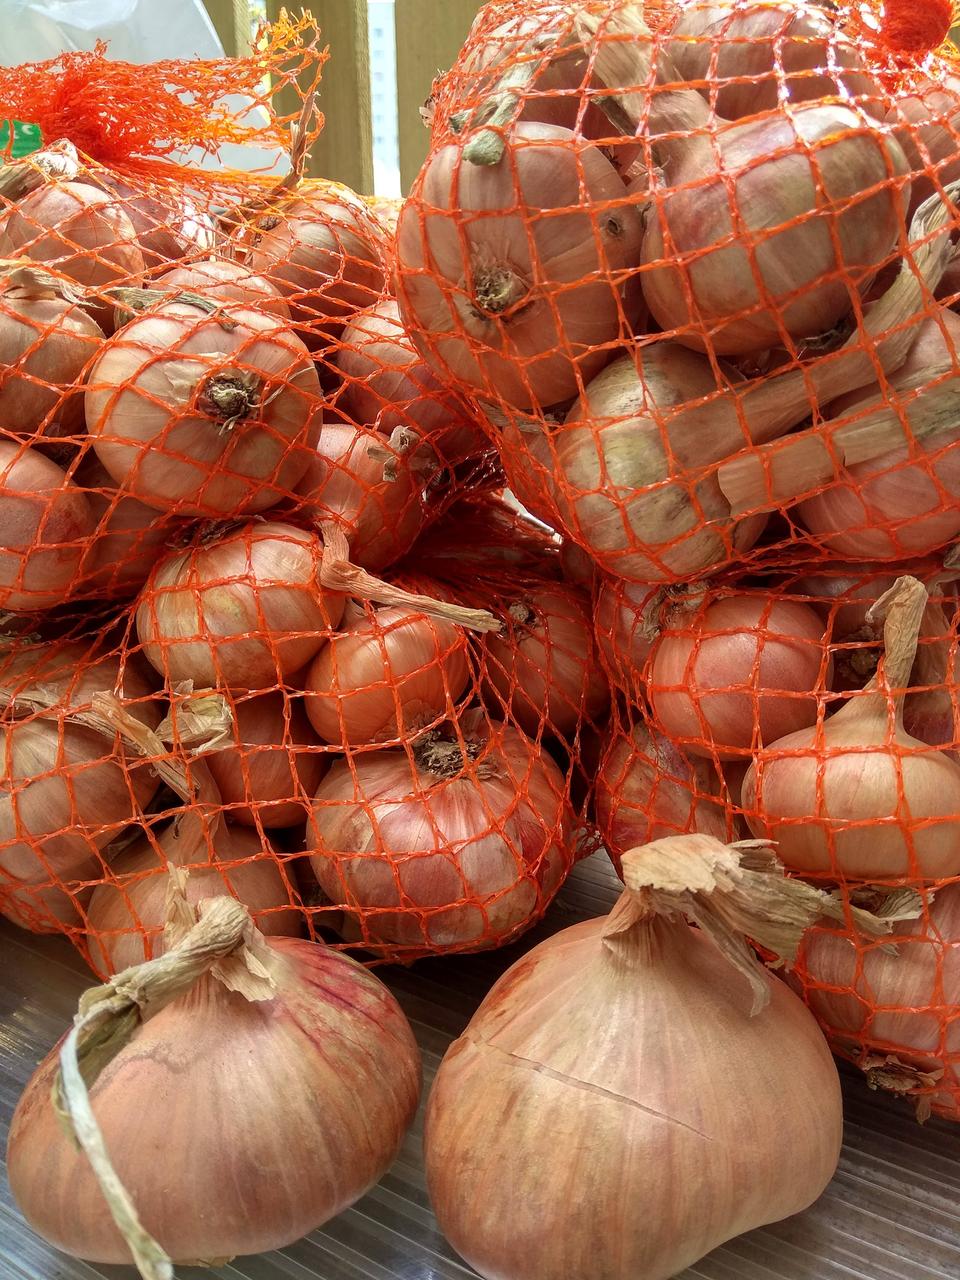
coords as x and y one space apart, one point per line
891 1212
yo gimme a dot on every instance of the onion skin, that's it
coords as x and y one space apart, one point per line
543 1091
386 677
227 280
524 333
209 415
268 778
727 673
647 789
276 1164
46 342
47 522
470 859
240 613
542 670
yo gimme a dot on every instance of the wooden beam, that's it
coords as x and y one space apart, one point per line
344 150
429 37
231 20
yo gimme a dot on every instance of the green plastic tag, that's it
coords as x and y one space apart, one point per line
26 138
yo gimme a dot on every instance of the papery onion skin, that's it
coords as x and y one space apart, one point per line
646 788
46 522
242 612
204 414
487 316
736 670
543 1094
314 1091
386 677
270 776
470 859
228 280
542 671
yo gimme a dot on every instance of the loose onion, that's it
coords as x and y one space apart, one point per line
46 341
229 281
541 669
647 788
729 672
857 795
291 1091
241 612
325 252
524 303
386 677
460 847
204 414
613 1056
47 523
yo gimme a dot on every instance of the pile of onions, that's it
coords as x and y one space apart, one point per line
386 677
856 795
613 1056
647 788
325 252
270 1072
890 1007
226 281
67 788
47 525
541 669
46 342
729 672
527 302
204 410
458 842
241 611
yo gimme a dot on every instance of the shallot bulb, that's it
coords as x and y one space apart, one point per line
927 125
167 224
459 845
325 252
541 670
227 281
46 342
386 677
647 788
271 1072
856 795
47 524
526 302
204 414
729 672
241 612
748 58
67 789
613 1056
625 625
890 1007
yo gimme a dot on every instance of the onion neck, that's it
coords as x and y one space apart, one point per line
901 610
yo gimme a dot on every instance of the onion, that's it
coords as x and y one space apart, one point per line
729 672
85 233
204 414
46 341
227 281
46 522
386 677
890 1008
459 846
575 565
760 233
541 669
857 795
268 776
388 384
614 1055
325 252
386 210
647 788
168 225
927 125
526 302
66 790
751 57
241 612
270 1073
625 626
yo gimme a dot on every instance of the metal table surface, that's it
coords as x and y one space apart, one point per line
891 1213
